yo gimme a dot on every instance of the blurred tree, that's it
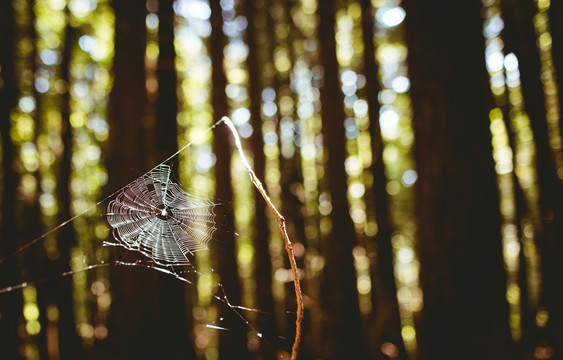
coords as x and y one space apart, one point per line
167 103
234 341
176 297
387 322
10 304
465 312
520 38
33 226
291 179
556 23
135 322
261 235
63 295
341 316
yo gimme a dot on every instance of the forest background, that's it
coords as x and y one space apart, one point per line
414 148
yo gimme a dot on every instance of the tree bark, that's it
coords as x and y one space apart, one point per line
261 235
233 341
63 295
384 294
176 297
35 265
460 251
556 22
10 303
135 321
520 38
343 330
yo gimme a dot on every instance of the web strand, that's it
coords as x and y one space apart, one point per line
283 230
154 217
64 223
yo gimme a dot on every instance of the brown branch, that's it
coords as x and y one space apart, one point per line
281 223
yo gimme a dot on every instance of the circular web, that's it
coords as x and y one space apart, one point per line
154 216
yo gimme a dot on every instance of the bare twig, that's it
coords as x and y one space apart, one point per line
281 223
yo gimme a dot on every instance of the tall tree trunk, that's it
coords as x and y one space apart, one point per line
343 335
175 297
520 38
556 23
33 227
527 313
461 273
10 303
63 295
134 324
291 179
233 341
384 294
261 236
167 104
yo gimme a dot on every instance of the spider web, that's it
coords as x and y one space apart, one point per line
154 216
158 225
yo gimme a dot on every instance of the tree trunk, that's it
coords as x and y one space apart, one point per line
527 313
233 341
63 295
32 227
343 336
460 250
384 294
520 38
556 22
175 297
134 324
10 303
261 235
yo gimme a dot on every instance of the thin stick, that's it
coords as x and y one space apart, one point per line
281 223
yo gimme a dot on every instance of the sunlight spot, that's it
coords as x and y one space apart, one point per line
49 57
364 284
245 130
81 8
387 96
357 190
237 51
511 62
409 178
493 27
390 16
241 116
348 77
27 104
233 91
47 200
31 311
42 84
405 255
353 165
268 94
152 21
192 9
401 84
270 138
389 121
269 108
58 5
33 327
494 60
512 249
408 333
360 108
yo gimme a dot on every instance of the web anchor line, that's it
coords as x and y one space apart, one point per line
64 223
155 217
281 222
